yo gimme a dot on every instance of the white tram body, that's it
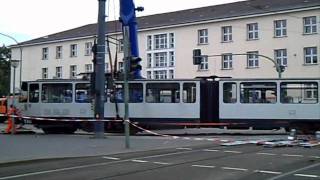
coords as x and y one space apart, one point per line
238 103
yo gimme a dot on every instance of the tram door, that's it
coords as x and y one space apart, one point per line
32 107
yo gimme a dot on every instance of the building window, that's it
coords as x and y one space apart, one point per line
121 66
203 36
226 33
58 52
73 71
171 40
280 28
149 75
120 45
149 60
280 55
149 42
171 74
204 64
44 73
310 55
310 25
162 74
160 41
45 53
227 61
88 68
171 59
160 59
252 59
73 50
252 31
59 72
87 48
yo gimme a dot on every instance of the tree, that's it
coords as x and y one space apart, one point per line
5 55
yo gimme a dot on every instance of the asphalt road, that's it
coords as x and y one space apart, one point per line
198 162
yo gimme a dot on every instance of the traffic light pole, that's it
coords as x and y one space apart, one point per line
126 59
99 73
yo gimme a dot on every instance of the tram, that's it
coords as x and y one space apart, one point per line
203 101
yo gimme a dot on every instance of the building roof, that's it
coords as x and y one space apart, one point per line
197 15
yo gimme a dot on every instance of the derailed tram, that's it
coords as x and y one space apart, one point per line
177 103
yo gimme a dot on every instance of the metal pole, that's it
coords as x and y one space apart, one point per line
126 51
13 131
99 73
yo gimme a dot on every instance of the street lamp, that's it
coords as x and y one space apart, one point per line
14 64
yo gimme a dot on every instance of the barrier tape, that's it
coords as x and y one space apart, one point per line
63 120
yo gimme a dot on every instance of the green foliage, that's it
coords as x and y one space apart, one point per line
5 54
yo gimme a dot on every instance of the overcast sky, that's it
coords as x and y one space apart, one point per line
29 19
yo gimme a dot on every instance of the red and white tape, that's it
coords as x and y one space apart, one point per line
64 120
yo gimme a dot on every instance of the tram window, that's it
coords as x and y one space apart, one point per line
83 93
229 92
56 93
135 93
299 93
34 93
189 92
163 93
258 92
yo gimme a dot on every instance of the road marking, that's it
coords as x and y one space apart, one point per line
111 158
211 139
232 168
292 172
236 152
202 166
211 150
267 172
198 139
138 161
90 165
306 175
184 148
317 157
292 155
268 154
161 163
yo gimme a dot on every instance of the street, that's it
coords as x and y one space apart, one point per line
198 162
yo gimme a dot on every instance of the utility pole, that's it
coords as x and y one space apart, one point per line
99 73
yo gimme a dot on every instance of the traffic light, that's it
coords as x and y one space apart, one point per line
197 58
281 68
134 65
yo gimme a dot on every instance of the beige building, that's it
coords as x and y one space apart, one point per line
284 30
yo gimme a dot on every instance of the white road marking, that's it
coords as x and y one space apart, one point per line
292 155
268 154
306 175
232 168
161 163
211 139
292 172
139 161
317 157
236 152
111 158
186 138
211 150
198 139
202 166
267 172
184 148
90 165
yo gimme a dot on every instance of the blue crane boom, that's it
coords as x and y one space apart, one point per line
128 18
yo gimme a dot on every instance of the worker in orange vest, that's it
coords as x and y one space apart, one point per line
11 112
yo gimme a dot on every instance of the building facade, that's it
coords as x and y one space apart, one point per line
286 31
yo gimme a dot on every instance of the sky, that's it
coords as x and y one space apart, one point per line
28 19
